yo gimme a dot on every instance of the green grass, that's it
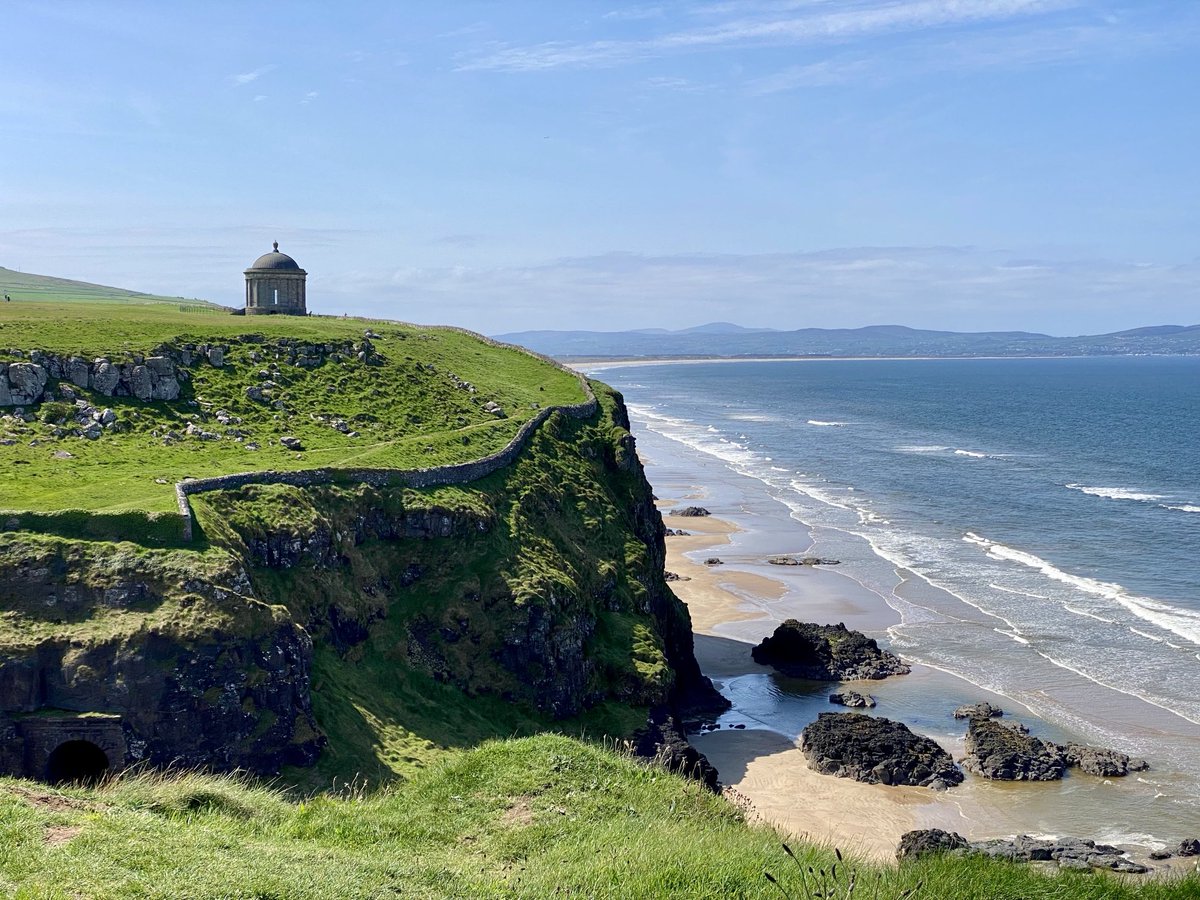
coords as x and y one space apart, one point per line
530 818
23 287
407 410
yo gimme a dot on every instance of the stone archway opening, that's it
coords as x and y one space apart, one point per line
76 762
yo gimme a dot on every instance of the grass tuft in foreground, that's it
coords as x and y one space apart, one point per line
536 817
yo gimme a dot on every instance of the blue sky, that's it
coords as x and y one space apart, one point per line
962 164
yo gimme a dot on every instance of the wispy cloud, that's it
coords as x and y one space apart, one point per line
635 13
247 77
778 24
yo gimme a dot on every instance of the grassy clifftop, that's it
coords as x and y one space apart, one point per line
530 818
419 398
24 287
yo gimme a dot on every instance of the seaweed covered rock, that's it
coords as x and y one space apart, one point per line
929 840
876 751
978 711
1009 753
826 653
852 699
1103 762
1069 853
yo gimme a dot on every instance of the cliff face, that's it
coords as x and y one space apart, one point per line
540 587
201 673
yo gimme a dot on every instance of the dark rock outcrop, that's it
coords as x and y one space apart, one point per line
978 711
663 742
1008 753
1188 847
690 512
1069 853
852 699
876 751
1105 763
806 561
826 653
929 840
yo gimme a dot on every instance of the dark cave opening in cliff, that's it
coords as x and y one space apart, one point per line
76 762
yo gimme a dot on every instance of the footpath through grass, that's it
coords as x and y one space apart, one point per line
410 407
530 818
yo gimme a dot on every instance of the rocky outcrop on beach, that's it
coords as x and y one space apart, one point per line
929 840
691 512
826 653
1007 752
663 741
1105 763
876 751
978 711
1189 847
852 699
805 561
1069 853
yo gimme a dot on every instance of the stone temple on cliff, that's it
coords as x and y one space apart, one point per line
275 285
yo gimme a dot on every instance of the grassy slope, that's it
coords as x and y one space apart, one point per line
407 414
530 818
509 818
23 287
559 537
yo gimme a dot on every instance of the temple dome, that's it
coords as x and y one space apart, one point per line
275 260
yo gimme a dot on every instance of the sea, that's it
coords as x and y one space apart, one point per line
1032 524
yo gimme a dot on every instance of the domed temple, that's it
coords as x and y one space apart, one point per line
275 285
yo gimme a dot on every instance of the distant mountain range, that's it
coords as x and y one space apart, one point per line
722 339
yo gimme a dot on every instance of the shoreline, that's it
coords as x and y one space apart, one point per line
761 761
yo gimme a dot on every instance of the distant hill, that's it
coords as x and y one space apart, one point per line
24 286
724 340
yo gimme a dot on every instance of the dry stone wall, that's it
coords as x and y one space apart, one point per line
157 376
457 473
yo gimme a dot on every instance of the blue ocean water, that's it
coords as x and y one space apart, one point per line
1021 515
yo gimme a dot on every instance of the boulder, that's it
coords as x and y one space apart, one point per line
929 840
77 371
662 741
141 384
978 711
216 357
1102 762
690 512
1188 847
163 383
876 751
1069 853
1005 753
26 383
291 443
105 377
826 653
852 699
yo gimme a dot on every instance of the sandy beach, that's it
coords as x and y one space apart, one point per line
732 609
761 765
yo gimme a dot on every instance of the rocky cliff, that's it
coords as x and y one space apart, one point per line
540 587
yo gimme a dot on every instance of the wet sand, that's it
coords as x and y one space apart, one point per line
732 610
764 766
